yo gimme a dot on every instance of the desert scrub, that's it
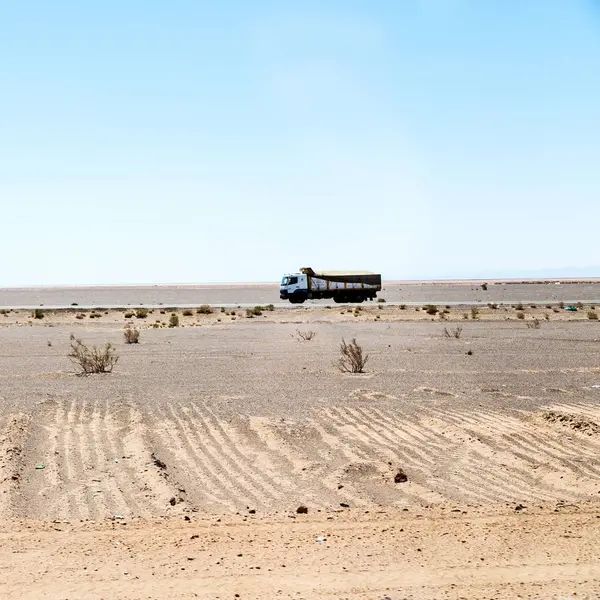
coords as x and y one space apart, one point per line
131 335
430 309
455 332
592 315
92 359
174 320
129 314
520 315
519 307
380 299
187 313
141 313
402 307
205 309
352 359
257 311
38 313
474 313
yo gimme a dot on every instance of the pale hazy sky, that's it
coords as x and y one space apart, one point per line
195 141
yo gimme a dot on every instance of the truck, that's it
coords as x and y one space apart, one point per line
342 286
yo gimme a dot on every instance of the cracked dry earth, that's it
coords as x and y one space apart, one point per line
179 474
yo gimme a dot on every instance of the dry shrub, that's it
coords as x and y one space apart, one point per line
592 315
453 333
520 315
174 320
352 360
305 335
474 312
205 309
132 335
535 324
92 359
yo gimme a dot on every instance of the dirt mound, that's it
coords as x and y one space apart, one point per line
576 422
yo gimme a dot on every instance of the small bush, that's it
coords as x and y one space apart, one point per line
187 313
141 313
254 312
305 336
163 312
174 320
519 307
579 305
474 313
205 309
270 307
535 324
380 299
465 316
132 335
430 309
549 306
484 287
546 316
520 315
493 305
80 316
453 333
555 310
129 315
92 360
3 311
222 309
403 307
592 315
352 360
561 305
38 313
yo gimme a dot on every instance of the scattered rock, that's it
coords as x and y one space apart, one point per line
344 505
302 510
520 507
173 501
400 477
159 463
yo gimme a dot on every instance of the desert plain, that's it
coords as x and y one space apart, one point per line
464 462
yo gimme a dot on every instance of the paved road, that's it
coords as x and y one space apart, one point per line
250 295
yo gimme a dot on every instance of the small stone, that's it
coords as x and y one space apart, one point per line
400 477
302 510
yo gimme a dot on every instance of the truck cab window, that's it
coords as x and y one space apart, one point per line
293 280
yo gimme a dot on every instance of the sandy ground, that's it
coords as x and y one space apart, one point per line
179 474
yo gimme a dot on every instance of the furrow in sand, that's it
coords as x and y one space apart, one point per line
12 440
239 489
121 483
208 484
153 487
259 468
397 439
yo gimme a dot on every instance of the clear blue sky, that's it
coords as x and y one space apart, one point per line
195 141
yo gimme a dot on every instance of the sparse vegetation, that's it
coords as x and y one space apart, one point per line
403 307
38 313
129 315
187 313
380 299
493 305
519 307
257 311
132 335
205 309
465 316
455 332
520 315
430 309
353 360
141 313
561 305
305 336
92 359
474 312
174 320
535 324
592 315
484 287
80 316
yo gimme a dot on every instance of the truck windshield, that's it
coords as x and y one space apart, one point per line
284 281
